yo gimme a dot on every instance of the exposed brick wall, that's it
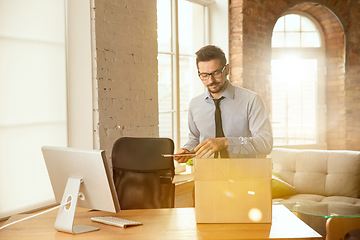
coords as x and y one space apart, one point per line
249 52
251 24
352 78
125 67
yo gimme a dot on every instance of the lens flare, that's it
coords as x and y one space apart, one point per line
229 194
255 215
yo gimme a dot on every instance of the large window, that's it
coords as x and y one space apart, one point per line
298 112
45 94
181 32
32 99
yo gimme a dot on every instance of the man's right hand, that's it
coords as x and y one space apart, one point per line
182 159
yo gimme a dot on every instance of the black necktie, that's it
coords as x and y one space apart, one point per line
218 127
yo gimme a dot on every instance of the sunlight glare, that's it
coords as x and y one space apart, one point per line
229 194
255 215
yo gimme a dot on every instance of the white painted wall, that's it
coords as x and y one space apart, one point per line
80 75
219 25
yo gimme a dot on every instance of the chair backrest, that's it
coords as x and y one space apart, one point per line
142 176
145 154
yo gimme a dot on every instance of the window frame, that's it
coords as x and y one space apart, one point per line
311 53
175 65
217 33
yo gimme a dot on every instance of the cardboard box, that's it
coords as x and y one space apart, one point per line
234 190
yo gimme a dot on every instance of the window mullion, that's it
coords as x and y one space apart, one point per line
176 73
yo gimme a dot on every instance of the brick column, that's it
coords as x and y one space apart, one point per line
126 69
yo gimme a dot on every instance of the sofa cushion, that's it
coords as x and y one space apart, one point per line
342 200
302 198
284 164
343 174
319 172
311 172
335 201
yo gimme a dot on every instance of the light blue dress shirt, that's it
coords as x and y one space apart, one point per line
244 118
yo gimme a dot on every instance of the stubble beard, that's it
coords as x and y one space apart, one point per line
221 87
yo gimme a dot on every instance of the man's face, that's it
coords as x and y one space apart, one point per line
214 84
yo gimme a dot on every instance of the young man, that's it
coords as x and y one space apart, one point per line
246 128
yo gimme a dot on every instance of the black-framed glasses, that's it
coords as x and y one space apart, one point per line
216 74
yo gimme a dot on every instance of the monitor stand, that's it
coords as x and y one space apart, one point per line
65 218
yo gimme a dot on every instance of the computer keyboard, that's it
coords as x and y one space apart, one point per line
115 221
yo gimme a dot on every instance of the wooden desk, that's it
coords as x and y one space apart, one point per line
174 223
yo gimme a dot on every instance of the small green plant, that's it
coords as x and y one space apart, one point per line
190 162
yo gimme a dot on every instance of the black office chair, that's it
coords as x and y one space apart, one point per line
142 176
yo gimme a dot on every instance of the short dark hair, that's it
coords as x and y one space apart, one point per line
210 52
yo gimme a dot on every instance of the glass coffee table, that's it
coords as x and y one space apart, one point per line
340 219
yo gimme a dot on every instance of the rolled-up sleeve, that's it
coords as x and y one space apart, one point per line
260 139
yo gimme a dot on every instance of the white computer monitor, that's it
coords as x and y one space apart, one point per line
82 177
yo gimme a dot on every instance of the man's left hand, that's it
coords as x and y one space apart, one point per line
211 145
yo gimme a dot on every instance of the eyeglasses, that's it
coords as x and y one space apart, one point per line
216 74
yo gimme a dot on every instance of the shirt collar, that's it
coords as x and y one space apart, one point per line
227 93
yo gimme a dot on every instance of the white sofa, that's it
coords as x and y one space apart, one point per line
318 176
